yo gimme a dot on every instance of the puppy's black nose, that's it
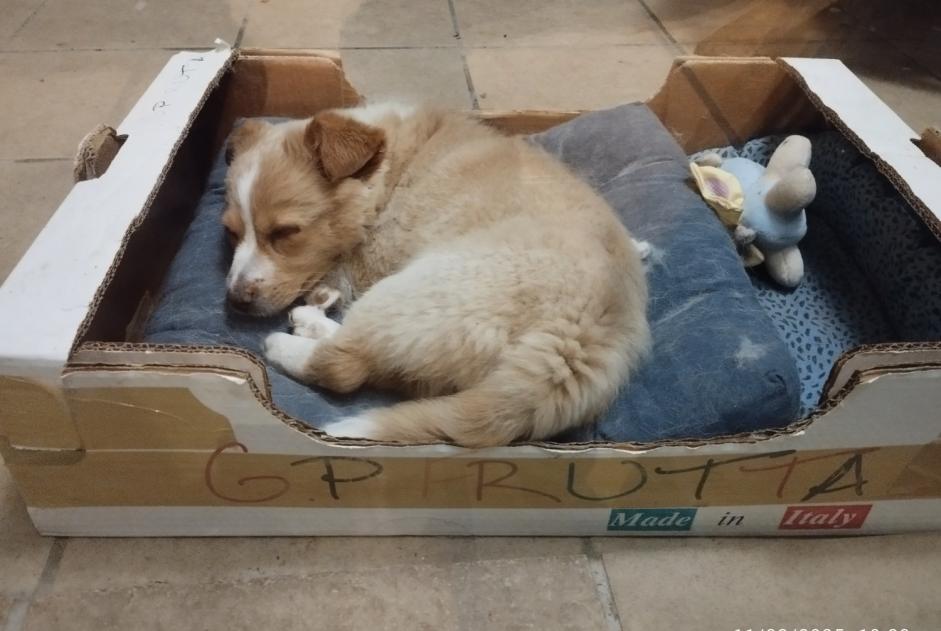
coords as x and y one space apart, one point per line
239 302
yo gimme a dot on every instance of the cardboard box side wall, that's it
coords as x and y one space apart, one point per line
228 454
127 424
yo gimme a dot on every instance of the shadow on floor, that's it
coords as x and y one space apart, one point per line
898 42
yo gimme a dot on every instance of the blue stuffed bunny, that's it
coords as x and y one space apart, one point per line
772 219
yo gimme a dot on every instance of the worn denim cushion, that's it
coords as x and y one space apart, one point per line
718 366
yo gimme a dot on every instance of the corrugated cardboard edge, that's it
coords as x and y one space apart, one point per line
262 394
131 355
871 356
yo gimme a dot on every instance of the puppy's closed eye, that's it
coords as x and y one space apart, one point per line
283 232
280 238
231 235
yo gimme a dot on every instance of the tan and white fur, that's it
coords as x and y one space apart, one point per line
480 276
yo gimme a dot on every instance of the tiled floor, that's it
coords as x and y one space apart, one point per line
65 66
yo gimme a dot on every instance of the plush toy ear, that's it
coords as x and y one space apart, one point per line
243 137
792 193
793 153
343 147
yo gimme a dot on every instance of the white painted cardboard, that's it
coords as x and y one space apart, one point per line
882 132
47 296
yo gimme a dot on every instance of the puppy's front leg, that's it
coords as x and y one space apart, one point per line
291 353
324 297
312 322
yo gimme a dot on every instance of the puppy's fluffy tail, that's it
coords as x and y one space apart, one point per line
543 386
463 418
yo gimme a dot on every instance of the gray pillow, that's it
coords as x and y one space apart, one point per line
718 366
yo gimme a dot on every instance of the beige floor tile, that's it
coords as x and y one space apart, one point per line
872 582
348 23
140 562
706 27
411 598
908 88
22 551
15 15
505 548
554 23
434 75
51 100
5 605
319 583
912 20
32 192
567 78
689 21
556 593
65 24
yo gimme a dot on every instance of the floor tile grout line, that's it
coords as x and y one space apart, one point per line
241 32
17 615
677 47
51 568
599 576
28 19
472 92
33 160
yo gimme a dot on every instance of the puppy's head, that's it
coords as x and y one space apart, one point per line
298 195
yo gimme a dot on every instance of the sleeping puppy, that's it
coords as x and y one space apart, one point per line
481 277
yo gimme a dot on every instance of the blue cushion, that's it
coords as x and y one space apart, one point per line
893 247
832 311
718 365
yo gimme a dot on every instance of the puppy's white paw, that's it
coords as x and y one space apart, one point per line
290 353
312 322
643 248
323 297
360 426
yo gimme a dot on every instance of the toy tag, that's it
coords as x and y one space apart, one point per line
721 190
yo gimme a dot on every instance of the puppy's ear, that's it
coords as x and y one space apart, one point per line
243 137
343 147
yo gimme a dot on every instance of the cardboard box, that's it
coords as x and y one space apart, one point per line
105 436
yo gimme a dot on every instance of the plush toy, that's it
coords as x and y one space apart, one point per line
763 207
